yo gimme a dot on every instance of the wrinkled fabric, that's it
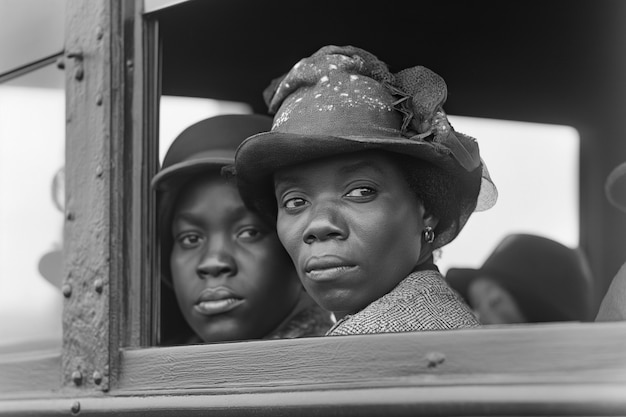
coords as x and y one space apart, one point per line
422 301
346 80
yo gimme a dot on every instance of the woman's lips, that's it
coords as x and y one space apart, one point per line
217 301
324 268
210 308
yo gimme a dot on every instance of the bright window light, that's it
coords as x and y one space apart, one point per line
32 145
536 170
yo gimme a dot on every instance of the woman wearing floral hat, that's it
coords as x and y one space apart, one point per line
365 177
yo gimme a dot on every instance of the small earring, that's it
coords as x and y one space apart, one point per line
429 234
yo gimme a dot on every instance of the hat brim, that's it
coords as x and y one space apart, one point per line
259 156
265 153
174 176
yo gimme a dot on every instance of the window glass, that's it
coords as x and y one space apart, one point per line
528 182
30 30
32 149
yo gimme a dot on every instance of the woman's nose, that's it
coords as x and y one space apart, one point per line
218 261
326 221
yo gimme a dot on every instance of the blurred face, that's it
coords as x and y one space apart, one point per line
232 278
352 227
493 303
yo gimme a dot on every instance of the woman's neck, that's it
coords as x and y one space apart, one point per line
425 262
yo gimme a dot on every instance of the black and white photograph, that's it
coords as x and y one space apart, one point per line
312 208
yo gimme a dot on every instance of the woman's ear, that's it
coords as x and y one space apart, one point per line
430 220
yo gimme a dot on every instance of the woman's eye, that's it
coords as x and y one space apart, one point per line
250 233
361 192
189 240
294 203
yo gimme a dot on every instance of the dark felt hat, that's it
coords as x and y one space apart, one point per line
342 100
615 187
548 280
207 145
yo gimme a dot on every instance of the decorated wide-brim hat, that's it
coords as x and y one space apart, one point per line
342 100
206 146
615 187
548 280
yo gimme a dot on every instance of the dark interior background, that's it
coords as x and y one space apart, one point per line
555 61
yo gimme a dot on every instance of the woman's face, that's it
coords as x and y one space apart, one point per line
493 303
233 279
352 226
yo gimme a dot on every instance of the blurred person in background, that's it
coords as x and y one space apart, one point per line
528 279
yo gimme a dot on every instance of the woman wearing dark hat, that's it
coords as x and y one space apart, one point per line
365 177
613 306
231 277
528 279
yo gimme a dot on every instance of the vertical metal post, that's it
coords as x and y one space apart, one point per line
106 192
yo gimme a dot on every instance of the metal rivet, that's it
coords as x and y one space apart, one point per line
99 33
98 285
97 377
77 377
77 56
435 358
99 171
130 63
66 289
79 73
99 99
75 408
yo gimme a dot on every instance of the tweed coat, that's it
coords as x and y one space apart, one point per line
421 301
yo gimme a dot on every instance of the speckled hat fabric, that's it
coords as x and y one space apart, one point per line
615 187
343 99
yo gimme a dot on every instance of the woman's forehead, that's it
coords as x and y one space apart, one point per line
366 162
209 195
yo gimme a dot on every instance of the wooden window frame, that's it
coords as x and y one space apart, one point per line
555 369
